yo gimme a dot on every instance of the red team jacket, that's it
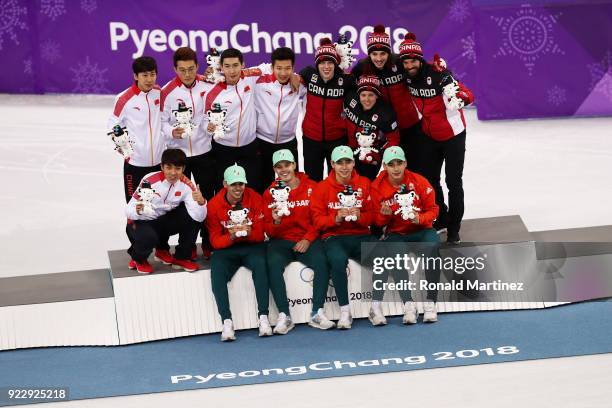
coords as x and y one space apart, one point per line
297 225
324 206
218 207
322 120
394 91
439 122
383 191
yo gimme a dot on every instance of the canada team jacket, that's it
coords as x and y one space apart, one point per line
324 100
278 108
324 206
238 100
381 118
168 196
172 94
383 192
394 91
139 113
297 225
439 122
218 217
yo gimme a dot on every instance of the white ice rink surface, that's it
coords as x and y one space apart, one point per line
62 209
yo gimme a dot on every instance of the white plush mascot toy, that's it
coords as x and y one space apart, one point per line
344 48
216 116
349 199
365 140
183 116
405 199
280 195
238 216
123 144
213 59
146 194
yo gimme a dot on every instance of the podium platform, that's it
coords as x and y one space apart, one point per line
119 306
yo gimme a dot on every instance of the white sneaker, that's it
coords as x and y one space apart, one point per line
376 317
264 326
283 324
346 320
228 331
320 321
431 312
410 313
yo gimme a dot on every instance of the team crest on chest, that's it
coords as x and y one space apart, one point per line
314 78
353 103
428 80
340 81
374 117
394 68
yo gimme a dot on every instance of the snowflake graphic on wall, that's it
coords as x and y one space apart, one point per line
335 5
52 8
50 51
469 47
89 78
89 6
27 66
556 95
12 16
459 10
601 76
528 35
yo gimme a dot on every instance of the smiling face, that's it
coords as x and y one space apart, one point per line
285 170
146 80
283 69
412 66
234 191
186 71
343 169
395 170
367 99
171 172
231 68
326 69
379 58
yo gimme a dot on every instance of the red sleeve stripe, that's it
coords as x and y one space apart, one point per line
123 99
188 182
169 87
155 177
210 97
265 79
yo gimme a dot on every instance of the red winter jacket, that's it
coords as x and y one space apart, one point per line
218 208
295 226
324 206
394 91
383 191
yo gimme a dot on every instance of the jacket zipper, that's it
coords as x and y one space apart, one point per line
278 117
323 112
150 129
239 117
193 110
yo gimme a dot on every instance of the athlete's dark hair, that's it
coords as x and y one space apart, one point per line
231 53
283 54
144 64
185 54
174 156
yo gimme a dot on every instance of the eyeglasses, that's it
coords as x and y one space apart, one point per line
187 70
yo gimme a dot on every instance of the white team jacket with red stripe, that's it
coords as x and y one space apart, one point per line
278 108
238 100
139 112
174 92
167 197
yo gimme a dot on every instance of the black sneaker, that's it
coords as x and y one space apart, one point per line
453 238
439 227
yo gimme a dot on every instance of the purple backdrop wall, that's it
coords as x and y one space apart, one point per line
521 60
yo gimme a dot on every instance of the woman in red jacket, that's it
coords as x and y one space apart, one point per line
292 237
404 202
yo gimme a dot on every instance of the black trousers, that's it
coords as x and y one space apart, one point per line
411 141
245 156
146 235
452 153
370 171
266 150
132 176
315 153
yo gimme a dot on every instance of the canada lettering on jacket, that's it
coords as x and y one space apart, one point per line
395 79
359 122
319 90
423 93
